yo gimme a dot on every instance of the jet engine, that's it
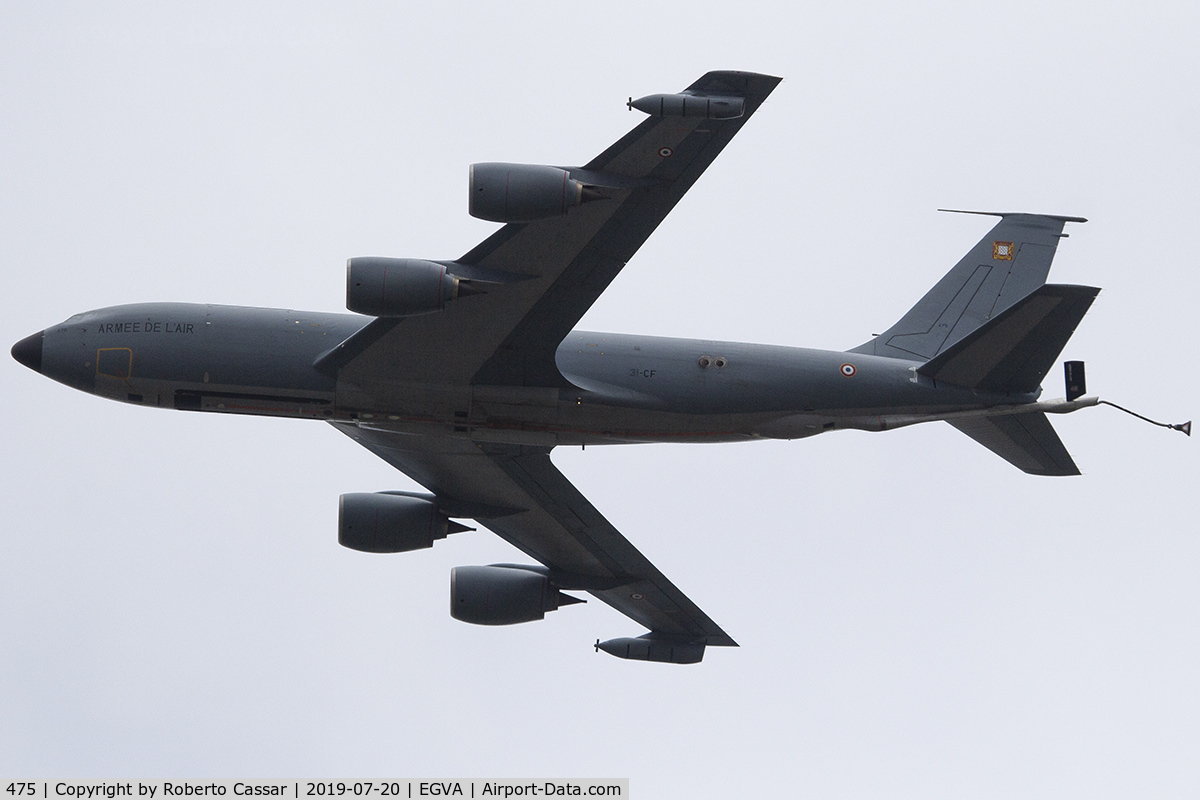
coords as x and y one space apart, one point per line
504 594
523 192
400 287
391 523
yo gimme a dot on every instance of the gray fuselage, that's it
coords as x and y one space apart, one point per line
629 388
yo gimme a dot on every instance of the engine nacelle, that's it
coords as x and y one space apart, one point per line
503 594
399 287
522 192
388 523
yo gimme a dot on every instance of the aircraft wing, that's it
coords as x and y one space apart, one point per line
520 495
547 273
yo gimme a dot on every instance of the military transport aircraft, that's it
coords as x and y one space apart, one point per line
465 374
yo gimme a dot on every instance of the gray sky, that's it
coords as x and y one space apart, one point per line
917 618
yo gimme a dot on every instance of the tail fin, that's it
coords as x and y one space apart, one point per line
1007 264
1012 353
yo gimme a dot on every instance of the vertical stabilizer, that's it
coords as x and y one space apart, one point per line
1007 264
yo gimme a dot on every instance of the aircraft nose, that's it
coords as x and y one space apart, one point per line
29 351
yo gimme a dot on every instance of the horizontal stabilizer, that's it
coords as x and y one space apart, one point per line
1014 351
1027 441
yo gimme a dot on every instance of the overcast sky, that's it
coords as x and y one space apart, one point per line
916 617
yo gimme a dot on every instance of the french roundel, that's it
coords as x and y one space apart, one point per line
848 370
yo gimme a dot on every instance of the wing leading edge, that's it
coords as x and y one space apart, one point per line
551 270
517 492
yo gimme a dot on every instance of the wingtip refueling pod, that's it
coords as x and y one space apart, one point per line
689 105
654 647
